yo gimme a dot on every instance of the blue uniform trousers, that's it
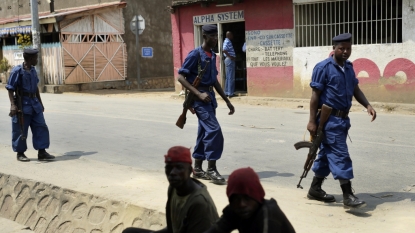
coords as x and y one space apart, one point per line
230 77
334 156
209 143
40 132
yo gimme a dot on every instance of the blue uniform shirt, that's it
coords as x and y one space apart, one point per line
27 82
190 70
227 46
337 86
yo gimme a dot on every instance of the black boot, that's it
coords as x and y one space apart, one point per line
198 172
213 174
349 199
22 157
42 155
316 193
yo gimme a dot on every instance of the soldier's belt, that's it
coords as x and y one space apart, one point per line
30 95
205 88
338 113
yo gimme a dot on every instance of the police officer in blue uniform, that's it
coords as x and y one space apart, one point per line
23 81
334 83
209 144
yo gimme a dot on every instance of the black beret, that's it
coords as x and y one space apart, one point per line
30 51
346 37
210 29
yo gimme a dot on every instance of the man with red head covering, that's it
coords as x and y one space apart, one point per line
189 209
248 211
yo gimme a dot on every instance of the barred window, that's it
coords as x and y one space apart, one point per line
370 22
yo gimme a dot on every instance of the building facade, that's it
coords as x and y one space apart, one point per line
156 71
286 38
89 43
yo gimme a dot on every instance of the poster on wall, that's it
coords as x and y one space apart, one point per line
269 48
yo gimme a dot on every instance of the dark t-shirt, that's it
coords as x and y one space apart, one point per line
196 215
268 219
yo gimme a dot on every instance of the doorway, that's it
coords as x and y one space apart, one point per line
238 31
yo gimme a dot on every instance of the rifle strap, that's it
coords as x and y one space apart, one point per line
199 68
19 83
199 64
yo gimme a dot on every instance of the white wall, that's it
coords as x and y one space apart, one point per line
408 16
381 54
308 1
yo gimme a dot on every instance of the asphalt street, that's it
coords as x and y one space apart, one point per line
137 132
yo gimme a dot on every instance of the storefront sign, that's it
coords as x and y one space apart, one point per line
219 17
269 48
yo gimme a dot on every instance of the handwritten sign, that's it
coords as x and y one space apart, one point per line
269 48
219 17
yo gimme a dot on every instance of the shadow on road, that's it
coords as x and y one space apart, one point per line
268 174
73 155
373 200
113 91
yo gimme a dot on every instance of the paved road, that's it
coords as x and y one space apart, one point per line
137 131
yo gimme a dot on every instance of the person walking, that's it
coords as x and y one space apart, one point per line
210 141
334 84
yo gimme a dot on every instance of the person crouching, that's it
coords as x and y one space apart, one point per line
248 211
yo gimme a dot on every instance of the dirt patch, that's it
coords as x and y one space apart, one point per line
275 102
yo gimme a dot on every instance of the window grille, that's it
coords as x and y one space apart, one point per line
369 21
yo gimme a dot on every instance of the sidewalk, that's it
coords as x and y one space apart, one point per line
243 98
110 187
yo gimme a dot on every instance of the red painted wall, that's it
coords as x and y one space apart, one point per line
259 15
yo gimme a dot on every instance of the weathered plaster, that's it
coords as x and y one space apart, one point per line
386 71
157 34
408 18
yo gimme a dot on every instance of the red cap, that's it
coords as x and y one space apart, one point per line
178 154
245 181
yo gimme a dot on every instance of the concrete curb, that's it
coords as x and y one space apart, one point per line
49 208
78 195
92 196
8 226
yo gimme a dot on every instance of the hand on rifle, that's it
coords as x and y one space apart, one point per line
231 108
312 128
204 97
13 110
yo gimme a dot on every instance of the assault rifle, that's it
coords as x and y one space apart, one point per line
315 142
190 98
20 115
